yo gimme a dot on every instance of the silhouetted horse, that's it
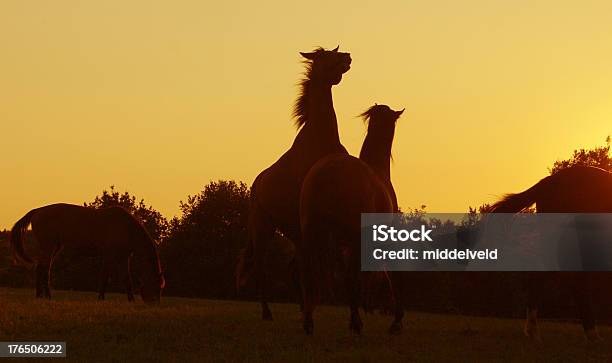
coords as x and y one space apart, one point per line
111 233
275 192
336 191
578 189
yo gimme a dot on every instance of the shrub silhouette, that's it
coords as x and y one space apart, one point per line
598 157
200 247
204 242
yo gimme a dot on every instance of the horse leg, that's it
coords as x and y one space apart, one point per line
262 287
103 279
262 233
353 279
40 278
43 268
308 298
396 285
48 280
297 288
128 281
581 288
534 285
308 268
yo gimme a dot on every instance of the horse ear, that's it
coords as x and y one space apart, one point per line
336 49
307 55
399 113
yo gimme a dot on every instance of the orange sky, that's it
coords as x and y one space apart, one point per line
159 98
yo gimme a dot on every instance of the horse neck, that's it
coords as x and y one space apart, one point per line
321 127
146 254
376 152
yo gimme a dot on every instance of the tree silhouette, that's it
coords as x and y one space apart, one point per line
598 156
203 243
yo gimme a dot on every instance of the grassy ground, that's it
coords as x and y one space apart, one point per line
206 330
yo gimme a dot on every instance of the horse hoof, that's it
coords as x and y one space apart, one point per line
395 328
356 330
267 316
593 336
532 332
308 327
356 327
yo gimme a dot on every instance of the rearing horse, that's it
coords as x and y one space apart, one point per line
336 191
275 192
577 189
111 233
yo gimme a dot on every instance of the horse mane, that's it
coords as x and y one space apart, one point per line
300 109
367 117
150 247
144 234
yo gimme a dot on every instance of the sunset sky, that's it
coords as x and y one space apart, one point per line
161 97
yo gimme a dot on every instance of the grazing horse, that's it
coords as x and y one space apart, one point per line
577 189
336 191
274 204
112 233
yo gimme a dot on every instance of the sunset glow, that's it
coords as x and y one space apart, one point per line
158 98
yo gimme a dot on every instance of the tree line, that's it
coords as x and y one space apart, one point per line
199 249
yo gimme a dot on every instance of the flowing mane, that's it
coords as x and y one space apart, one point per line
367 146
300 109
367 115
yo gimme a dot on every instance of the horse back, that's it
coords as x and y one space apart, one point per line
579 189
81 228
339 188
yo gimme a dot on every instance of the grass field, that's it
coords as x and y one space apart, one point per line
207 330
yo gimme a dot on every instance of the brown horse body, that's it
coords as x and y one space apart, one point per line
111 233
275 192
336 191
577 189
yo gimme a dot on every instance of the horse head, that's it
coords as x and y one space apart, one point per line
152 287
381 117
327 66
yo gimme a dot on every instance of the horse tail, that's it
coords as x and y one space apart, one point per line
18 237
514 203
